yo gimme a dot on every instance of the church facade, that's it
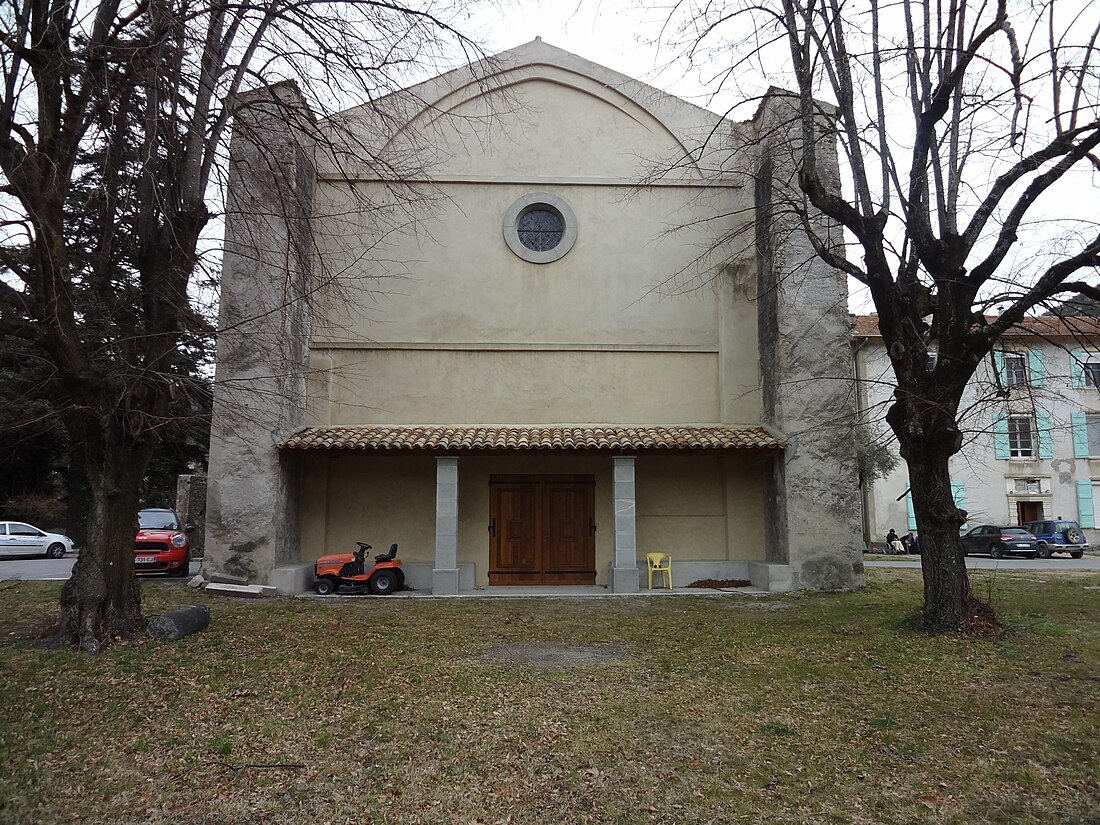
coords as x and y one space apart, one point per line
531 319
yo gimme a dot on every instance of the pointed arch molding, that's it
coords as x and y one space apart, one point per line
431 116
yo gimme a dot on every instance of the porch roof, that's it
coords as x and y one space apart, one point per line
438 438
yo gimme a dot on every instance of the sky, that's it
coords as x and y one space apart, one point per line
618 34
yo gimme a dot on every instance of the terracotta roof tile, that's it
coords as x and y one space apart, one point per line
1043 326
531 438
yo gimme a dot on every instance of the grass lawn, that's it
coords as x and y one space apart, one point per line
695 709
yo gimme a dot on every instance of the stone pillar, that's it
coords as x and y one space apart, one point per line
624 567
191 508
812 497
263 336
445 574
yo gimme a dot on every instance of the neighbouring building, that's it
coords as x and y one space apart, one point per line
1031 425
559 320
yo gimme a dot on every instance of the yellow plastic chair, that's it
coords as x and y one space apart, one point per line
661 564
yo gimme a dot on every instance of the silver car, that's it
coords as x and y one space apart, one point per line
18 538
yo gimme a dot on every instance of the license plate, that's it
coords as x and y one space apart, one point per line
145 560
1023 544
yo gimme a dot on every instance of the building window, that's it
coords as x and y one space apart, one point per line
540 228
1090 369
1015 369
1092 431
1021 436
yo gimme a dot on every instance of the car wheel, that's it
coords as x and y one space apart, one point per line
324 586
1073 536
1076 554
996 551
55 551
1043 551
382 583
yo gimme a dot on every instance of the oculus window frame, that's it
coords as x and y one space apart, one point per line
540 202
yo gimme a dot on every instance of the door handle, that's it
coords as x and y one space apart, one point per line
492 527
591 527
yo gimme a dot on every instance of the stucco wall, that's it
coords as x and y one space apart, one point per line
432 386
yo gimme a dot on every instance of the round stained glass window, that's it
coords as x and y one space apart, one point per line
540 229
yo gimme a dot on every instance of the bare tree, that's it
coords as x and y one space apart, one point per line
114 118
962 128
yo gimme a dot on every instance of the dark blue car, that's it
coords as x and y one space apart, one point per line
1000 541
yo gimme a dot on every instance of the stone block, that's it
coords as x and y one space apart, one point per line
225 578
445 582
247 591
196 581
624 580
292 579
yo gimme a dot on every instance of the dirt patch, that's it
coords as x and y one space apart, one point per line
555 657
715 583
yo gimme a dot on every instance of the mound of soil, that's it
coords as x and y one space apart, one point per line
713 583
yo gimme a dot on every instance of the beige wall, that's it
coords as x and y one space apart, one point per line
447 276
682 505
424 315
519 387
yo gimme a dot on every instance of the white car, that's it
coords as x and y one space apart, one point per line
20 539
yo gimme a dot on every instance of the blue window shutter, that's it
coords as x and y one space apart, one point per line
1042 424
958 493
999 365
1076 370
1080 435
1084 505
910 515
1036 371
1000 435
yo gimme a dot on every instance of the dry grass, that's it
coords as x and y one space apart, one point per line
813 708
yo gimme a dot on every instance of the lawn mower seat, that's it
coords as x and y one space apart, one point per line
390 556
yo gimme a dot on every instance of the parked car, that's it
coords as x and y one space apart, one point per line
18 538
999 541
1058 536
161 545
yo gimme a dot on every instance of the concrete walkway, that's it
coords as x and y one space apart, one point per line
561 592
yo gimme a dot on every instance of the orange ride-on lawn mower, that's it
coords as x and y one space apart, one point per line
348 568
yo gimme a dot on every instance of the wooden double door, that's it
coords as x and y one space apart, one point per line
542 530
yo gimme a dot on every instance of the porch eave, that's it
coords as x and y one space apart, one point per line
481 440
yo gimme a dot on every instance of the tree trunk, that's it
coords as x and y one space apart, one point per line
928 436
948 599
102 599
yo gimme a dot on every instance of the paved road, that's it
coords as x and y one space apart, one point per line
1051 565
31 568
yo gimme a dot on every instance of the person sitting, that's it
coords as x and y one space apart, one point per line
894 544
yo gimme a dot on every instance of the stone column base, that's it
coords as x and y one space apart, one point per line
445 582
624 580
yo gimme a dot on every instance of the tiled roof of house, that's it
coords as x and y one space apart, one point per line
1043 326
531 438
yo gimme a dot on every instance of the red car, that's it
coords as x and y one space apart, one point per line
161 545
